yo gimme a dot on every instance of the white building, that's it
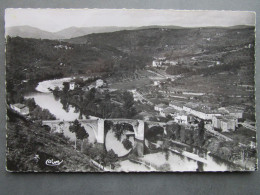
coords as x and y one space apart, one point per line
169 111
181 118
156 83
72 85
173 63
160 107
225 123
156 63
99 83
20 108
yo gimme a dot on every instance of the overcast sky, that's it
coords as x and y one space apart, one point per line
57 19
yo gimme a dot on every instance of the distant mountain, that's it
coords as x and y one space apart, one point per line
81 31
71 32
29 32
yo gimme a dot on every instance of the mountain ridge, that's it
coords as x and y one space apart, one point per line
73 32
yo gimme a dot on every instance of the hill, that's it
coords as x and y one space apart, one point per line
26 139
81 31
171 42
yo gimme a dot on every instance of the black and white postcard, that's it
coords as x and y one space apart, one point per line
128 90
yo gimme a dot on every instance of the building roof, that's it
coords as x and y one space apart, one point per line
19 105
226 118
204 108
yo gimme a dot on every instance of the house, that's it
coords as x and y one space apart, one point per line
228 124
99 83
173 63
169 111
181 118
225 123
216 123
72 85
160 107
20 108
156 83
156 63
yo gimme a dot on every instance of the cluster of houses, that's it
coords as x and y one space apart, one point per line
62 47
161 62
98 84
224 118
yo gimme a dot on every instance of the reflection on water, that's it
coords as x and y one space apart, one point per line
111 142
173 161
48 101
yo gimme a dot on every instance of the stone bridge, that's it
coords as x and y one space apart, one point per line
97 125
138 126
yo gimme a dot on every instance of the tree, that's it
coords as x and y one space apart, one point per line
118 130
79 131
165 147
31 104
66 87
183 135
128 105
56 91
201 132
178 132
111 157
127 144
189 137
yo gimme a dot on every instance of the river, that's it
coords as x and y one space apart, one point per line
174 162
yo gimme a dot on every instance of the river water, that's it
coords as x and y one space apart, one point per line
46 100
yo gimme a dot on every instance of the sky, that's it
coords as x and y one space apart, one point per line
54 20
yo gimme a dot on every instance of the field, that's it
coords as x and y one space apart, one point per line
131 84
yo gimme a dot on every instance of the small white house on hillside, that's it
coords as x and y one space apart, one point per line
20 108
99 83
72 85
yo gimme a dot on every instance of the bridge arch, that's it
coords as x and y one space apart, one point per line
138 126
